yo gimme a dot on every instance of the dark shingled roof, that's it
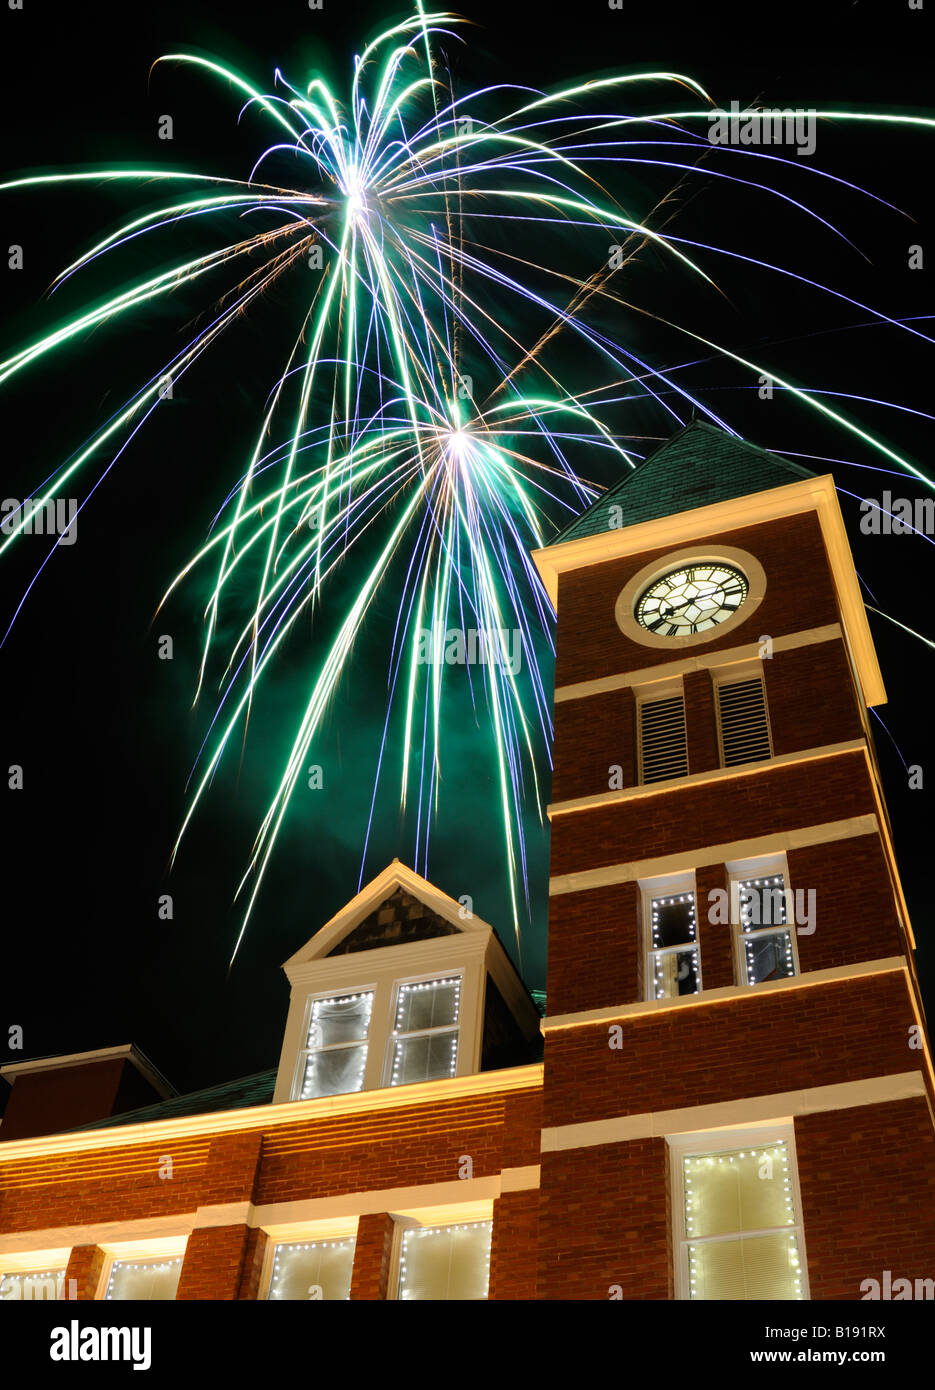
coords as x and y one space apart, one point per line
231 1095
698 466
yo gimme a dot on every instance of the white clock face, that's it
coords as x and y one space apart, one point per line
691 599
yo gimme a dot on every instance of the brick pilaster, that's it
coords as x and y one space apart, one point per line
514 1245
254 1256
700 723
372 1255
213 1264
85 1265
717 955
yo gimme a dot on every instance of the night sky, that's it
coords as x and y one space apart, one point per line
105 731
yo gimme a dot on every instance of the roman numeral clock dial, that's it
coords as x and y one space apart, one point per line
691 599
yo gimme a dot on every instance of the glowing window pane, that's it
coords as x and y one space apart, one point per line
446 1262
39 1284
750 1267
740 1222
313 1271
145 1279
428 1057
336 1047
768 956
428 1004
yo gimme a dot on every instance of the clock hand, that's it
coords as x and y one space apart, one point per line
673 608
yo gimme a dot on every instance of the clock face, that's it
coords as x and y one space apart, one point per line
691 599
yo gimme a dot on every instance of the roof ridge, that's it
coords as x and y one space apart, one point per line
690 488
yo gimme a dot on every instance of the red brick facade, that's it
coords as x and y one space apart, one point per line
576 1159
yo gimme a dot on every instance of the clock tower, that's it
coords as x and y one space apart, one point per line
738 1086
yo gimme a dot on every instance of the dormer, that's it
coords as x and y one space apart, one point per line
402 986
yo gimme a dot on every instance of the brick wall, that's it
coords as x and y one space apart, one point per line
514 1250
85 1267
855 911
700 722
254 1255
402 1147
372 1257
213 1263
592 736
761 802
715 938
594 948
603 1220
811 697
867 1179
757 1044
791 550
123 1184
596 945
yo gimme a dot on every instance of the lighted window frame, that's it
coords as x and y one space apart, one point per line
772 875
399 1037
319 1249
308 1051
32 1284
657 958
721 1145
147 1269
409 1236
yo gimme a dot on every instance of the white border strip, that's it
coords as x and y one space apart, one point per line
780 842
777 1108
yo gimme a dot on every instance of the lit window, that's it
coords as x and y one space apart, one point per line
674 963
313 1270
33 1283
144 1279
446 1262
424 1044
741 1236
335 1053
767 953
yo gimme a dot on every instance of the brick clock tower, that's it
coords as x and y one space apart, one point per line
738 1087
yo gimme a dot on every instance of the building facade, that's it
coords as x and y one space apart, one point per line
730 1095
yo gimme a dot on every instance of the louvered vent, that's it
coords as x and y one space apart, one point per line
744 725
663 747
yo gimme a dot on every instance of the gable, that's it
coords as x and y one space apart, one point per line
399 919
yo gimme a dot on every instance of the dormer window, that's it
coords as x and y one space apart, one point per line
424 1045
334 1058
403 987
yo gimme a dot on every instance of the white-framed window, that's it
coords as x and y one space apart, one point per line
445 1262
670 928
30 1279
423 1044
661 733
764 921
737 1215
152 1279
312 1270
334 1058
142 1269
742 715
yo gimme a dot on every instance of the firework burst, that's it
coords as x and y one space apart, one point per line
417 418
